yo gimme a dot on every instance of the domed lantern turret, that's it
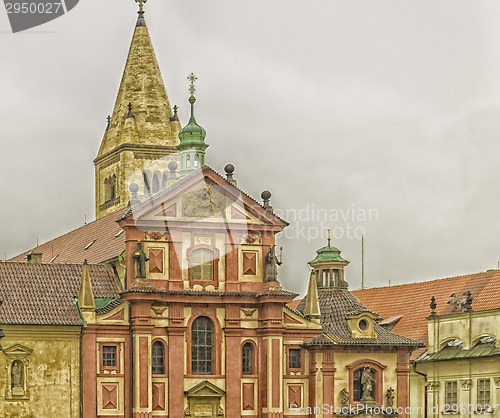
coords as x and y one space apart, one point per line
192 144
328 267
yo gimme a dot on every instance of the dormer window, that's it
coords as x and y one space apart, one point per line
362 325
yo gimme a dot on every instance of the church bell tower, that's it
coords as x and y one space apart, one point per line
142 132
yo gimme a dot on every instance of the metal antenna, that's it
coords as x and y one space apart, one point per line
362 261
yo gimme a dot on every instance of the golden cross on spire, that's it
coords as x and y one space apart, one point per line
141 4
192 78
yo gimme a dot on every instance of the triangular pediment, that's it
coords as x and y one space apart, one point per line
18 350
204 196
205 388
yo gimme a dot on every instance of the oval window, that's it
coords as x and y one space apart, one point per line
362 325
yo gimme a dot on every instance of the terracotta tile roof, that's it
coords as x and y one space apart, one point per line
293 304
43 294
335 306
70 247
412 300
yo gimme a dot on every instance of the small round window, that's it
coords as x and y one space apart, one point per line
362 325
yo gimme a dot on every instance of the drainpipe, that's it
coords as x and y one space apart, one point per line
425 386
131 391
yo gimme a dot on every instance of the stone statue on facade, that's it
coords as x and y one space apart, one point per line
16 374
140 262
272 263
389 398
344 398
367 383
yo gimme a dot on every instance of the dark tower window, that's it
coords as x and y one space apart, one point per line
188 161
157 357
202 346
147 183
112 187
196 162
247 358
156 183
202 264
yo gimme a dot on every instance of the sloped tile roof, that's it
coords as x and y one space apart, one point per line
70 247
412 300
43 294
336 305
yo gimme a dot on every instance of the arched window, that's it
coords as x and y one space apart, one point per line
164 180
188 161
202 264
202 346
363 378
196 162
247 358
158 363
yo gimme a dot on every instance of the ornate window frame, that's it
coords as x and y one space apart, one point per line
215 265
378 372
116 368
210 314
295 370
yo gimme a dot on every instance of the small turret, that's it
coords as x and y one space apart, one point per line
312 310
86 301
328 267
192 144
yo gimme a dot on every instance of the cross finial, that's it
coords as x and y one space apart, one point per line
175 109
109 121
329 238
141 4
192 78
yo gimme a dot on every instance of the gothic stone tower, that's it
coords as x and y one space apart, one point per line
141 131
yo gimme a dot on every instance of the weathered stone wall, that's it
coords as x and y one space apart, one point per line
52 378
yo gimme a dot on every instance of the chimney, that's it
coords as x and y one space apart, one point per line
34 258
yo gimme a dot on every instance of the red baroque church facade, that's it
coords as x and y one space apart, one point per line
193 321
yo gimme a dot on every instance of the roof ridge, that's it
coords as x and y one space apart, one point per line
429 281
51 264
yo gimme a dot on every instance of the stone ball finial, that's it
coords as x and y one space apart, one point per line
266 195
172 166
229 169
134 188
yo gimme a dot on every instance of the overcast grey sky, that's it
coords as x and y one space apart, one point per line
385 109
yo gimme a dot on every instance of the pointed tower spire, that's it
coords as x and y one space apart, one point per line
192 138
312 310
125 151
86 301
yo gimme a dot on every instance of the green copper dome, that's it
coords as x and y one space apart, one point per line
192 135
327 254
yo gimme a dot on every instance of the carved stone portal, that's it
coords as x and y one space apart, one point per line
204 400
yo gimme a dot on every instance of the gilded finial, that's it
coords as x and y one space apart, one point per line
329 238
192 78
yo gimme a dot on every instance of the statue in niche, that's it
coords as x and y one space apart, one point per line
389 396
344 398
272 263
140 262
16 374
367 383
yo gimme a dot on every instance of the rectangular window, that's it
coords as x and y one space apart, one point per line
294 358
109 356
483 392
450 393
